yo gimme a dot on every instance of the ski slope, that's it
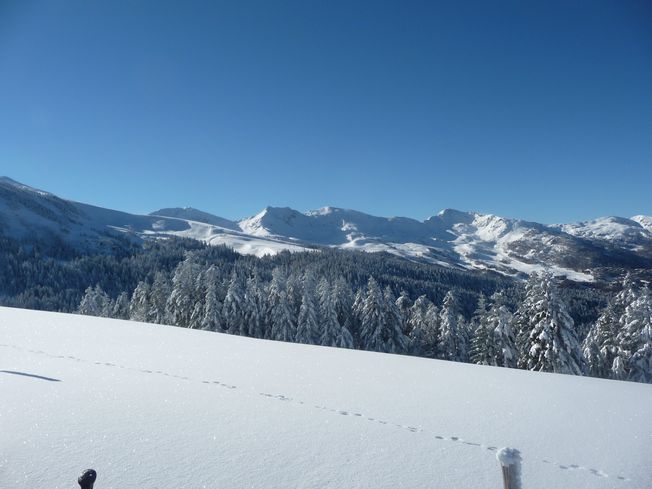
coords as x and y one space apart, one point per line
151 406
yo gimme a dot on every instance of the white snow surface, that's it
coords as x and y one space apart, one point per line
645 221
152 406
613 229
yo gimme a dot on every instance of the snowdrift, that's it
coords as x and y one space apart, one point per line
152 406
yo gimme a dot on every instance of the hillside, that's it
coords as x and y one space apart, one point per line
150 406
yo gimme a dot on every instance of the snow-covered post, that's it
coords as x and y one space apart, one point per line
510 463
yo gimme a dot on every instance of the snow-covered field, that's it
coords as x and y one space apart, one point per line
151 406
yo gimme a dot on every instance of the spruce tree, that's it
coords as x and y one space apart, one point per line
494 341
139 304
329 324
432 324
233 312
212 311
394 338
500 319
372 317
158 298
121 307
600 347
343 302
551 345
95 302
282 320
416 325
403 303
452 344
183 296
254 307
635 339
604 342
482 345
308 330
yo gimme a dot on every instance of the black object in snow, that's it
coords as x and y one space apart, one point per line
87 479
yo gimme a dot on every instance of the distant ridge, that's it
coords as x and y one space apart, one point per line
582 251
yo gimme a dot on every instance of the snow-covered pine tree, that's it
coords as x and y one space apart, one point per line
181 302
212 312
551 345
482 350
233 312
333 333
139 304
521 320
357 308
159 294
197 316
343 300
452 344
500 319
465 333
308 327
395 339
432 323
95 302
404 303
254 307
121 307
600 347
294 293
416 324
345 338
635 339
372 317
481 309
328 322
381 321
494 342
272 295
282 321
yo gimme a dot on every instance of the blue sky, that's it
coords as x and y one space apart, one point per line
537 110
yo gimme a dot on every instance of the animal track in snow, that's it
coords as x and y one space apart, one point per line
279 397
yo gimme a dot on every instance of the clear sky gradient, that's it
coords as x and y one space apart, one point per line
536 110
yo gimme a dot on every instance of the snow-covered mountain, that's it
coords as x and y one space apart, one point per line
30 214
150 406
452 238
468 239
631 233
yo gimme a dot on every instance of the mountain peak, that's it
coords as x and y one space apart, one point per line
453 216
644 221
192 214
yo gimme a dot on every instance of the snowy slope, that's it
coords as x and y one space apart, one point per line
451 238
150 406
645 221
626 232
191 214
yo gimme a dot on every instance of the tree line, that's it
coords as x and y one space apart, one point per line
528 328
